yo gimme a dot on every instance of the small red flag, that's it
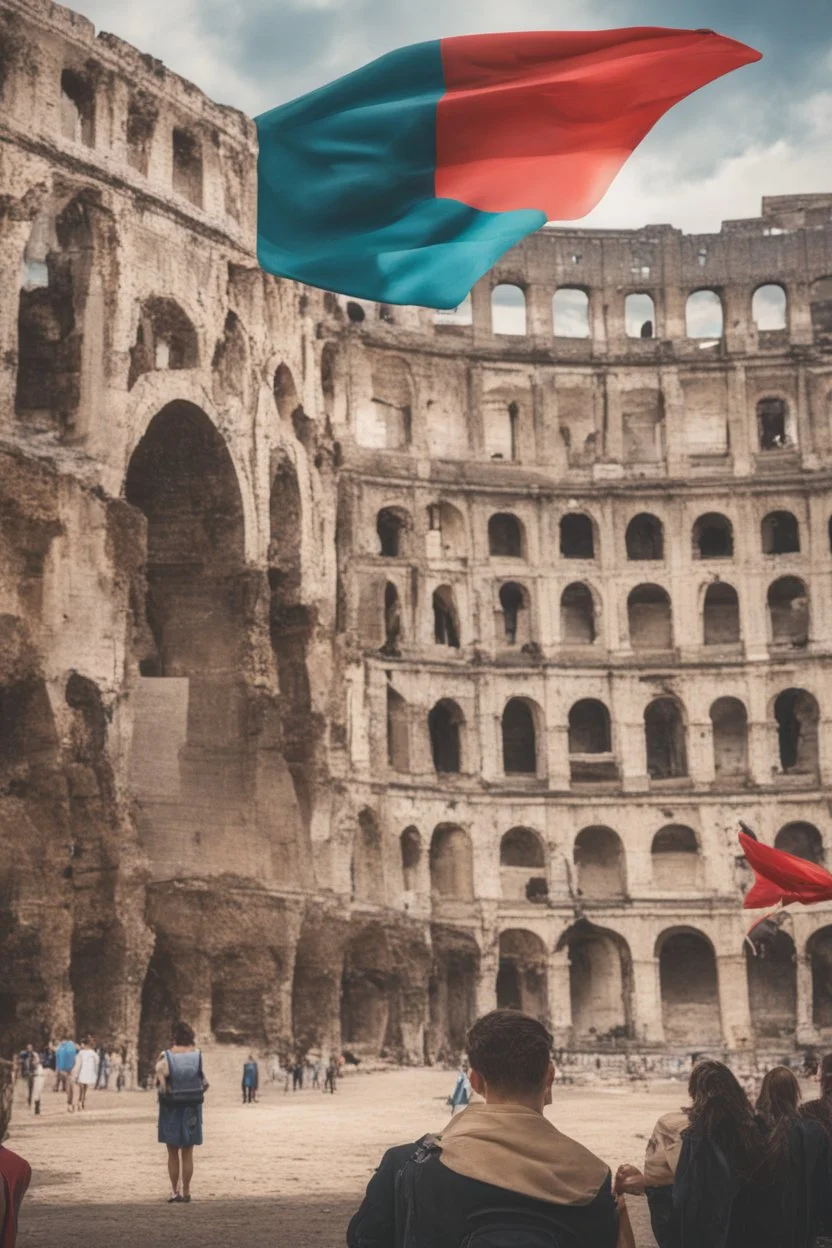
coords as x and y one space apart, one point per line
781 878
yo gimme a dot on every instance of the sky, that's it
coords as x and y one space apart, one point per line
764 130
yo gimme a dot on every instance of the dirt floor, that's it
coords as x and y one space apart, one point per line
287 1171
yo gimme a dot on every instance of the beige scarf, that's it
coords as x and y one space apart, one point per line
663 1149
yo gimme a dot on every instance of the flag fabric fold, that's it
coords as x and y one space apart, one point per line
781 878
406 180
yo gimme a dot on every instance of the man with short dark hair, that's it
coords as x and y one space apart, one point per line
497 1168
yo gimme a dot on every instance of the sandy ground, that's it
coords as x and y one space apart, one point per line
286 1172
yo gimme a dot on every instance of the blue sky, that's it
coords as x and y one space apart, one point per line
765 130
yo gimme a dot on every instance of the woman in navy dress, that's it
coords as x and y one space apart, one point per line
181 1084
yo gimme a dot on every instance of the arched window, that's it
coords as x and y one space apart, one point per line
820 305
398 731
639 316
451 863
645 538
664 729
505 536
677 863
721 615
285 393
600 984
508 310
772 988
788 608
410 843
780 534
689 988
444 724
523 866
445 617
599 858
391 525
768 308
570 312
514 602
392 619
773 424
187 166
577 540
589 728
801 839
446 532
519 738
577 615
703 315
521 974
729 719
77 108
797 716
650 618
165 339
392 396
713 537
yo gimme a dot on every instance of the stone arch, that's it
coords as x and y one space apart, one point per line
522 974
801 839
704 315
453 991
317 984
650 618
666 739
393 525
508 309
523 866
639 315
774 425
689 988
720 615
165 339
780 534
769 308
367 864
451 863
78 107
797 715
506 536
789 612
644 538
590 731
445 724
600 864
570 312
285 393
819 954
392 620
713 537
600 983
187 165
577 615
677 862
514 614
367 987
445 617
577 536
410 847
519 731
772 987
161 1006
729 719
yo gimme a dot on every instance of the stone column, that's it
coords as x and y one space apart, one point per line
733 1000
487 979
539 312
701 751
557 754
560 999
634 776
805 1027
762 751
648 1027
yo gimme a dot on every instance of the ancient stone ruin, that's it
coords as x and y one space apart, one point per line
362 668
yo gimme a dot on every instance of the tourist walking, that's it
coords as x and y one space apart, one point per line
461 1094
38 1083
26 1069
251 1080
103 1079
65 1055
85 1074
182 1087
15 1172
115 1069
297 1076
331 1076
316 1075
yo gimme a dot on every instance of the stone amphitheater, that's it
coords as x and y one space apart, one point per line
361 667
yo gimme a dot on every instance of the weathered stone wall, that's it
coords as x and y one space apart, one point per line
307 603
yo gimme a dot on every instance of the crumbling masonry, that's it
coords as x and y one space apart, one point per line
361 669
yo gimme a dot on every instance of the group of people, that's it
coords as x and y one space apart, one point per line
76 1068
295 1072
719 1173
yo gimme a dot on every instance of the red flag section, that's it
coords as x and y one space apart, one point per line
782 878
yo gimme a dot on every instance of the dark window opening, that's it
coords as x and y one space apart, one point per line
142 115
577 540
392 620
589 728
650 618
445 619
646 330
771 423
390 526
77 108
780 534
521 847
452 863
665 738
514 430
721 615
797 716
801 839
444 724
820 304
513 602
788 606
645 538
411 851
713 537
729 720
355 312
577 616
398 732
505 536
519 739
187 166
165 339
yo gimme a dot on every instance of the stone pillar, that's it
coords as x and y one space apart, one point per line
613 448
701 751
634 776
648 1027
742 431
761 739
557 756
539 312
560 999
799 313
733 1000
805 1028
487 979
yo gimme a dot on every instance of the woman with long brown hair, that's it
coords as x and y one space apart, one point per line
795 1168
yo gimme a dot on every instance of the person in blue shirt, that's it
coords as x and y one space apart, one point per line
65 1056
251 1079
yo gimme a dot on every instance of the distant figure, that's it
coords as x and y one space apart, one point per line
331 1076
316 1075
115 1069
182 1087
461 1094
26 1069
85 1074
297 1076
15 1173
38 1082
251 1080
103 1069
275 1069
65 1056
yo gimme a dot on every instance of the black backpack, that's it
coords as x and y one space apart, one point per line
493 1226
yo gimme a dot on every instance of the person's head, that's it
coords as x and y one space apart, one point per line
251 1057
510 1058
30 1048
826 1075
182 1035
721 1111
779 1096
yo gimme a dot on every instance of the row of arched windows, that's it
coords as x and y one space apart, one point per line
712 535
795 712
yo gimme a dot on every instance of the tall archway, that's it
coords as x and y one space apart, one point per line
730 733
650 618
689 988
772 988
600 983
410 845
721 615
445 723
600 864
451 863
819 952
521 976
453 991
798 716
677 863
519 738
788 609
713 537
644 538
523 866
577 615
665 734
367 866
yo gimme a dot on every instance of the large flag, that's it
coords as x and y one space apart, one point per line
781 878
406 180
